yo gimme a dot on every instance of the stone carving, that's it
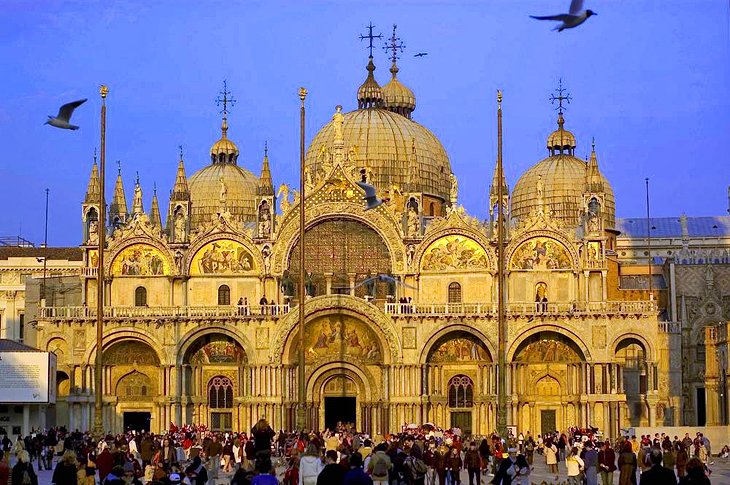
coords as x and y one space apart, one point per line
222 256
283 196
409 337
454 190
266 255
547 351
93 233
264 227
541 253
140 260
135 385
413 222
460 349
180 227
454 253
335 337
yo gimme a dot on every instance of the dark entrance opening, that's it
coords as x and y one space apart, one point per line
339 409
701 417
547 421
461 420
137 421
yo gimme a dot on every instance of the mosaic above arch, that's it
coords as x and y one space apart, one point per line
454 252
130 352
545 348
337 337
140 260
217 350
460 348
541 253
222 256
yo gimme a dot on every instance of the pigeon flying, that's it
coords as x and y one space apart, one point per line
64 116
371 199
420 54
574 18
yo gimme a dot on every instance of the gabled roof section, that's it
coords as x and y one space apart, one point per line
7 345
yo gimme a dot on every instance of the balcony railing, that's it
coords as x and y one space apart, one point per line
225 311
89 272
524 308
670 327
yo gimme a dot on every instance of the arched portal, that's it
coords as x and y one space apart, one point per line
548 378
630 355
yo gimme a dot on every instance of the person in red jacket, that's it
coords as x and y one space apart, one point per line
104 463
606 463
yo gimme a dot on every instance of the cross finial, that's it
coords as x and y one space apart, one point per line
370 37
266 148
94 154
560 97
119 166
394 46
226 100
180 147
154 188
137 177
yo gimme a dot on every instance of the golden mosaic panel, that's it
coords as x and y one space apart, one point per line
541 253
465 348
140 260
454 253
222 256
547 350
339 337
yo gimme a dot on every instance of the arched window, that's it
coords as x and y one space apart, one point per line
220 393
431 209
461 392
140 296
454 292
224 295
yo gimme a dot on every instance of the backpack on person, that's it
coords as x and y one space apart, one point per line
380 467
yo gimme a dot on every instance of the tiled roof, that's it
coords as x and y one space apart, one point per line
711 226
69 254
7 345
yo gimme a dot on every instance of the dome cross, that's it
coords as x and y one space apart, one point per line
226 100
370 37
395 45
560 97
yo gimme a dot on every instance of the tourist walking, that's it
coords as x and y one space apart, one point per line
606 463
310 465
627 466
575 466
66 470
23 473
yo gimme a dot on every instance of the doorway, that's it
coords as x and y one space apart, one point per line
137 421
701 416
339 410
462 420
547 421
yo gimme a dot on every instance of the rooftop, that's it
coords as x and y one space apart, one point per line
709 226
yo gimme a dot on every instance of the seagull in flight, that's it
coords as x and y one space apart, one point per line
371 199
383 278
63 118
573 18
420 54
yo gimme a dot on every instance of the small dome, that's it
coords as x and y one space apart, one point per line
370 94
561 140
224 150
206 186
397 97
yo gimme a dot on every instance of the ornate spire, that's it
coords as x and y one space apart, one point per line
561 140
93 189
137 207
396 96
180 191
266 184
155 210
594 181
370 94
118 208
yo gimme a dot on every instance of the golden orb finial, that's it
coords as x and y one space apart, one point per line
103 90
499 97
302 93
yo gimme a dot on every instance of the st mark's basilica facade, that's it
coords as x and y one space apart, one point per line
201 312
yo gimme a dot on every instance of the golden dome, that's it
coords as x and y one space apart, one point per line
397 97
562 180
370 94
206 186
386 143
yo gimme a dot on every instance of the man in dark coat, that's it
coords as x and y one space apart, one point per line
657 474
332 473
506 471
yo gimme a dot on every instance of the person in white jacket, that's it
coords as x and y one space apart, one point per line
575 466
310 465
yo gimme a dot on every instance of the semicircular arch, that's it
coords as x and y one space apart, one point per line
476 238
442 334
564 250
288 235
256 261
146 249
548 328
193 335
629 336
359 375
126 333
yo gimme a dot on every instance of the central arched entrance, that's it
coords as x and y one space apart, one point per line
339 398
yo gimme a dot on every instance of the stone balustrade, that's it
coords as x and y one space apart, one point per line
189 312
523 308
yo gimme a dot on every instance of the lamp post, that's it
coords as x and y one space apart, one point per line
98 369
301 411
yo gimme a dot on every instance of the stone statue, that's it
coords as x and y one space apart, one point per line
454 192
93 233
593 223
414 224
266 254
309 284
409 253
224 191
180 232
540 191
338 119
709 277
283 196
264 220
287 284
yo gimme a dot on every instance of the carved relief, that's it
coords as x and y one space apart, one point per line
262 338
599 336
409 337
454 253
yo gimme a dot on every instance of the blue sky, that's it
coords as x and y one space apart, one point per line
649 79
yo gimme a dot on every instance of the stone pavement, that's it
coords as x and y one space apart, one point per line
720 474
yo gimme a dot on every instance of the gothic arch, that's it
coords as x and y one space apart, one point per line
577 340
193 335
288 234
648 348
199 243
468 233
437 336
559 237
117 249
125 333
382 324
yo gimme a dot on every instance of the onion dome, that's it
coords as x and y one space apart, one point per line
560 180
222 185
370 94
397 97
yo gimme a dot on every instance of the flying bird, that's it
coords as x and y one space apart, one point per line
371 199
420 54
573 18
383 278
63 117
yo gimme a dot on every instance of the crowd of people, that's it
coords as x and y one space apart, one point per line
418 455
